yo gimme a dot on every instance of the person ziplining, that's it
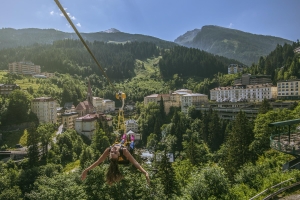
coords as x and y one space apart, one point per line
117 153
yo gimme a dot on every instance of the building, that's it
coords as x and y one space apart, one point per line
67 108
194 99
45 109
105 119
68 120
235 68
39 76
108 105
288 89
132 125
173 99
25 68
48 74
229 110
250 93
86 125
98 104
6 89
248 79
132 128
86 107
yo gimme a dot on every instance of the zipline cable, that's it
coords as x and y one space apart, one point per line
82 40
120 95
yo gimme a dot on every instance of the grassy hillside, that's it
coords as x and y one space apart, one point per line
147 80
24 83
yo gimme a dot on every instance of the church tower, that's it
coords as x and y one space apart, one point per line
89 96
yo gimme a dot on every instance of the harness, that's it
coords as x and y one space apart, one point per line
121 159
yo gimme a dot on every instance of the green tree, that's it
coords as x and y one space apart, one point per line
262 131
45 131
215 137
264 107
61 186
238 143
13 193
210 183
152 141
99 142
197 153
33 139
18 107
168 177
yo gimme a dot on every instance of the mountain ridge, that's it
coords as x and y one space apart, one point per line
231 43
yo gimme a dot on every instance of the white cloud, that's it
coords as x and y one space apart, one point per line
230 25
78 24
68 25
71 17
52 13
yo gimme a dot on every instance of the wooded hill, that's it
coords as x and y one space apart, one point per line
70 56
11 38
242 46
230 43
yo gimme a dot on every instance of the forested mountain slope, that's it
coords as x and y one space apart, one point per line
11 38
70 56
231 43
118 60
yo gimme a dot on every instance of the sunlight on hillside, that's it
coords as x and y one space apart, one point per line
147 74
27 82
72 166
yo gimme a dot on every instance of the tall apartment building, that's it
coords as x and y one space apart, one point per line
45 109
251 93
170 100
194 99
6 89
288 89
248 79
25 68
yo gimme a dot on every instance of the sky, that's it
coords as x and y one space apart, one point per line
164 19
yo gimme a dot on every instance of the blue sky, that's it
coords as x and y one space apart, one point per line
165 19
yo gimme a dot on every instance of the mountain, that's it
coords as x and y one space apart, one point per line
111 30
11 38
242 46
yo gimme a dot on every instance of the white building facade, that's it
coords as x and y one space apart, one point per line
45 109
251 93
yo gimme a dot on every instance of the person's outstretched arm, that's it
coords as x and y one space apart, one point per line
136 164
100 160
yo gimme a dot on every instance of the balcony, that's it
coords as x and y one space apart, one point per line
286 137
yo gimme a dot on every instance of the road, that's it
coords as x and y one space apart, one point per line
59 131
